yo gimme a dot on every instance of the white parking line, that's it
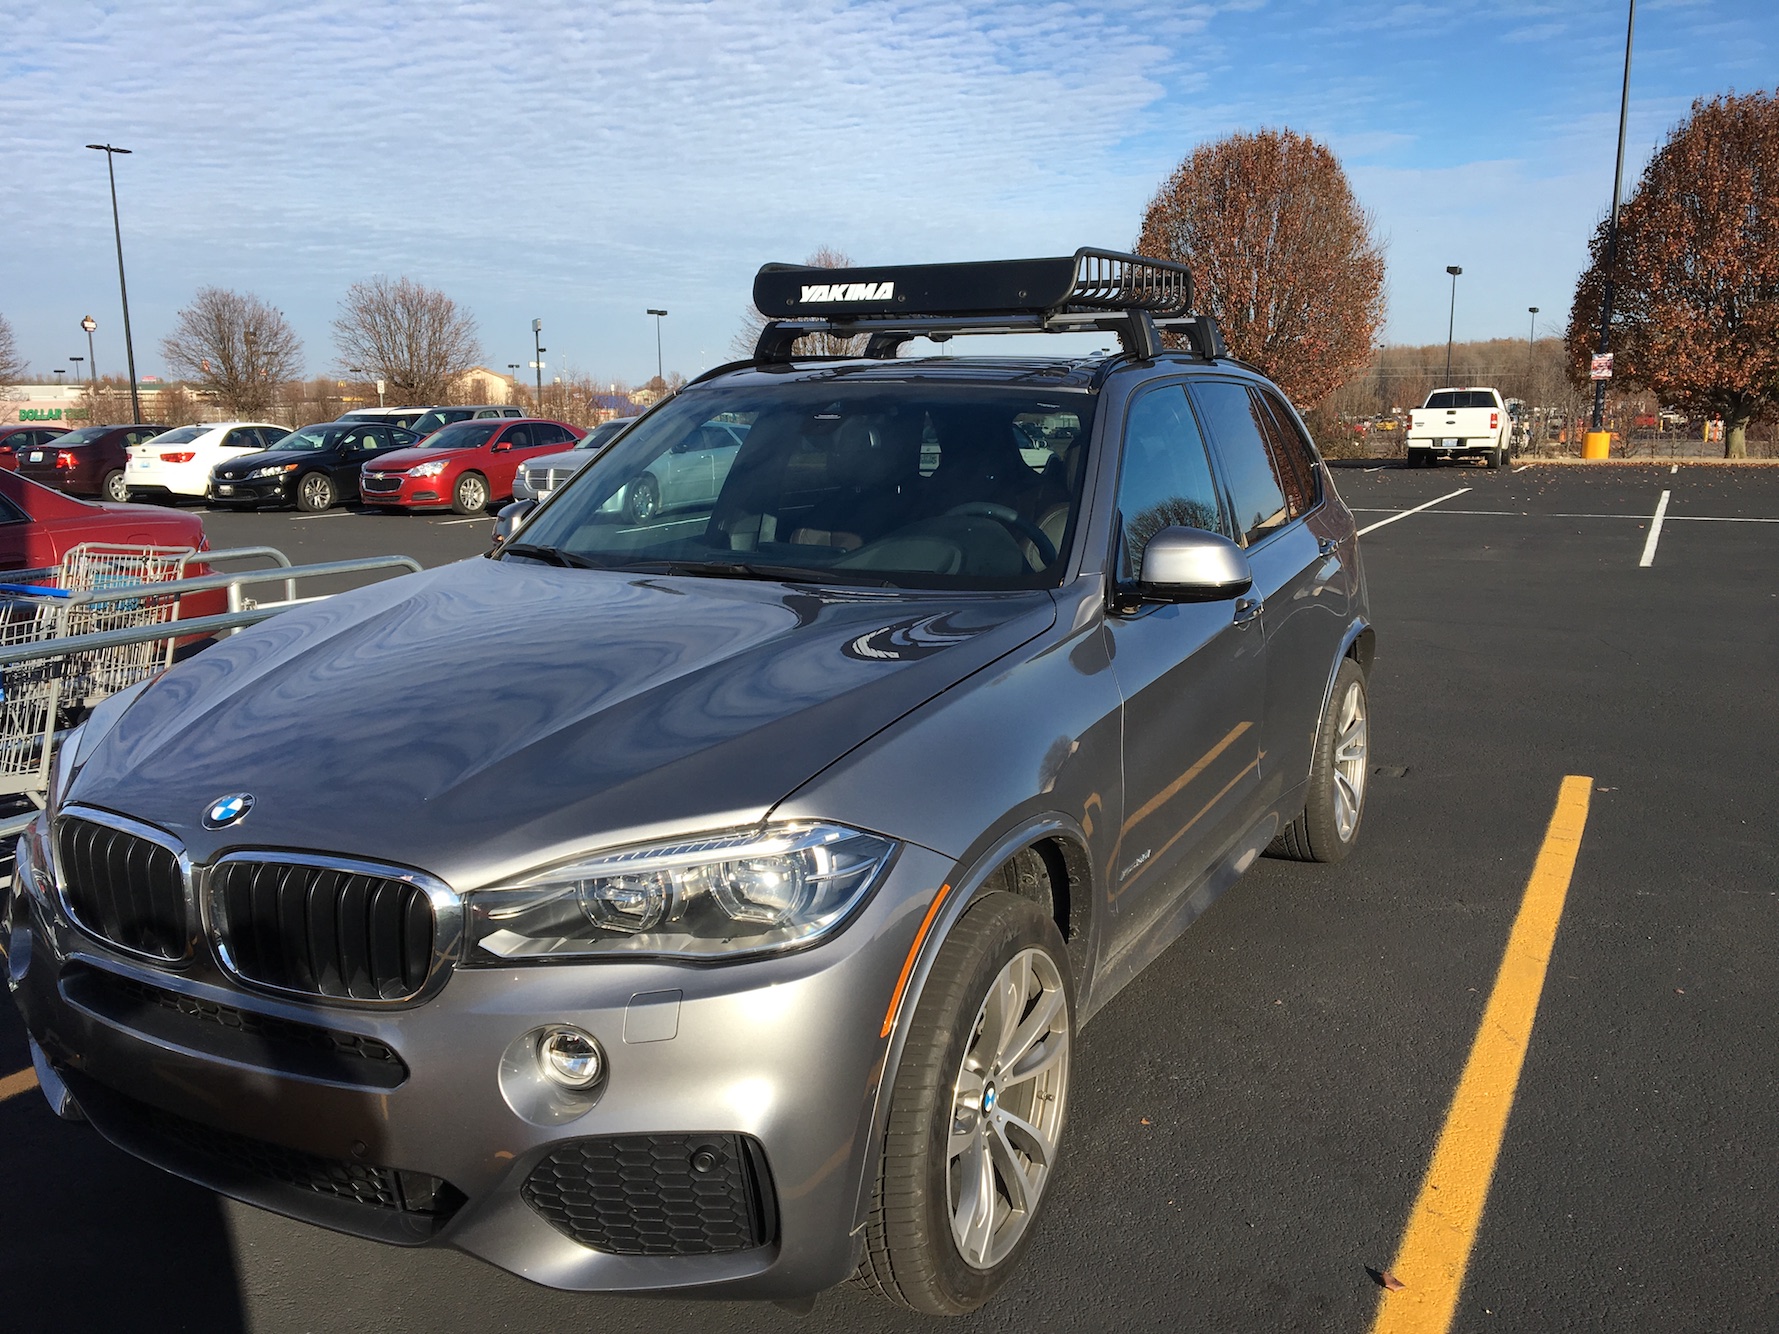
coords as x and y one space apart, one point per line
1522 467
1416 510
480 518
331 514
1675 468
1655 532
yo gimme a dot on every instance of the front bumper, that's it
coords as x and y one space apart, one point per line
399 1124
407 492
260 490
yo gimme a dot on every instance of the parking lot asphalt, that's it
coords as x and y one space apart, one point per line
1253 1118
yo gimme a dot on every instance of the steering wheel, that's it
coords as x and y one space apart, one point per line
987 509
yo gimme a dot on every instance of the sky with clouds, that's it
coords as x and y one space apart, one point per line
581 162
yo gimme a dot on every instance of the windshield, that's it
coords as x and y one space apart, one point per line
316 437
910 485
461 435
179 435
431 421
602 433
1461 398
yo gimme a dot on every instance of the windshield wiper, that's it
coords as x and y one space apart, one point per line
549 556
735 569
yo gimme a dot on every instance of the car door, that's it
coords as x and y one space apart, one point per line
512 447
351 452
1192 675
1292 575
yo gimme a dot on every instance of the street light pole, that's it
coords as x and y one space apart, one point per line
1618 175
88 323
1532 333
537 333
659 373
111 153
1451 321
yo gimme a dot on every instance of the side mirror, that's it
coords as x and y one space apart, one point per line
1191 565
501 446
510 517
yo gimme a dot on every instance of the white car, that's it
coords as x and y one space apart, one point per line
178 462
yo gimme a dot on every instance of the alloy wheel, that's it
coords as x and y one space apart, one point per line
1007 1109
1349 761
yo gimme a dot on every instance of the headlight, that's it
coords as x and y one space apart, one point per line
741 891
277 471
432 469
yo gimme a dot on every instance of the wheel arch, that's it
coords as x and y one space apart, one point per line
1062 847
1358 643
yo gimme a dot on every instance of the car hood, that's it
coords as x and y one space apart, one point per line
568 458
239 465
400 460
483 718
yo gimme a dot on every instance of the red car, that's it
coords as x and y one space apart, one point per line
465 465
39 525
87 462
24 435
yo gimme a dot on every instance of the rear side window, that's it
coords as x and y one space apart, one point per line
1293 463
1164 478
1235 423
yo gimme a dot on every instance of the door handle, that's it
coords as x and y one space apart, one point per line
1247 610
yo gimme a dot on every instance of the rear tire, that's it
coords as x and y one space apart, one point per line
112 488
1334 803
976 1112
470 495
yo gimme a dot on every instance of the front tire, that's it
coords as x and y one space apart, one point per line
1334 803
315 493
470 495
976 1112
643 500
113 488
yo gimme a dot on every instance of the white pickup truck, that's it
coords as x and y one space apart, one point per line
1459 422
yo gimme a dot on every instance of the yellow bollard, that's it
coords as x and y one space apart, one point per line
1596 444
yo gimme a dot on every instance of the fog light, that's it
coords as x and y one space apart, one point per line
570 1057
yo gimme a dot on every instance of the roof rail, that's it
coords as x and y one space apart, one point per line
1129 295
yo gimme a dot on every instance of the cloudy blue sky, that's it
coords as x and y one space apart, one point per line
579 162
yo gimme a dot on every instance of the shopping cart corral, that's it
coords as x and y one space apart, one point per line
107 619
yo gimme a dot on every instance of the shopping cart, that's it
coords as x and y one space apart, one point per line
30 692
94 567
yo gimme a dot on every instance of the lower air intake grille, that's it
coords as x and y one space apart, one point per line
123 888
322 931
657 1194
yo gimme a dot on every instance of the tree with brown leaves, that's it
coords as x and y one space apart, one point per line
1695 309
810 345
1281 254
236 346
413 337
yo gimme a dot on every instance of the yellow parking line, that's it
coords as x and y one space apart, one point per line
1442 1229
15 1084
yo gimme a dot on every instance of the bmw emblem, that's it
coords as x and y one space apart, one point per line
228 810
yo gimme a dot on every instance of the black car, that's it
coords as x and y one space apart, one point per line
313 468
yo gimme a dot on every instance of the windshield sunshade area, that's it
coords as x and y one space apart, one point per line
461 435
910 485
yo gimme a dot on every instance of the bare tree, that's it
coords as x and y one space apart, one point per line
237 347
1281 253
753 323
413 337
12 366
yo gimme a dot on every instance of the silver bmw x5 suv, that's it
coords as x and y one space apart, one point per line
719 906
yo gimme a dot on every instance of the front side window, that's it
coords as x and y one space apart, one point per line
1164 476
821 482
1232 416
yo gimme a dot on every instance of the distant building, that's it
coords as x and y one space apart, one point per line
481 385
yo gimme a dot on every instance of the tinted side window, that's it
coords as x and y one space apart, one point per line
1292 462
1235 426
1164 477
519 437
549 434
